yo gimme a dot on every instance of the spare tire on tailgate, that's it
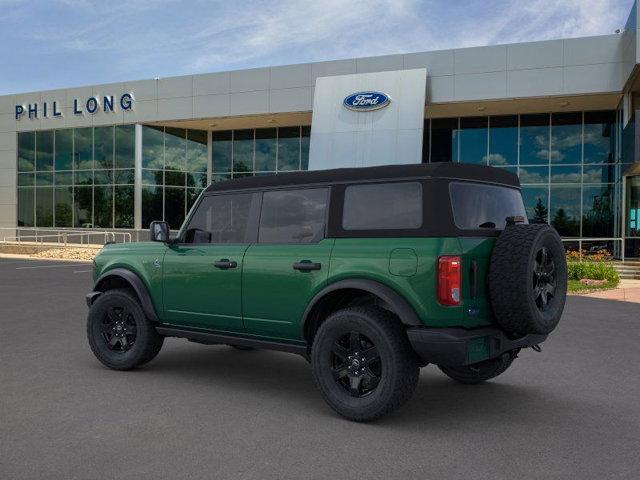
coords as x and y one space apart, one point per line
528 279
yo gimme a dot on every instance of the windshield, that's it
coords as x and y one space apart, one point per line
477 206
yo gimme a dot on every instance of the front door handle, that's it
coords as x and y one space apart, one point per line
306 266
225 264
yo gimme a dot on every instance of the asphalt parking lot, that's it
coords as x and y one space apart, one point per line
571 411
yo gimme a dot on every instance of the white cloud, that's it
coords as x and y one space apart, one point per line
144 38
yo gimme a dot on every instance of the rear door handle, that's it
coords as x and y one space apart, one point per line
306 266
225 264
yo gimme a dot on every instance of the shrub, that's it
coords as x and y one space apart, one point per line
601 255
593 271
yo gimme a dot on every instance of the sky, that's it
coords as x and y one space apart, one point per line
48 44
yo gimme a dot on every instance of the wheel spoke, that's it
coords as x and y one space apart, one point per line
124 342
543 257
339 373
339 351
370 354
113 315
354 341
106 328
113 341
371 379
354 386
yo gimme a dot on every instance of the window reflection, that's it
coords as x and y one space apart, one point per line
536 203
566 138
565 210
503 140
599 146
473 138
597 211
534 139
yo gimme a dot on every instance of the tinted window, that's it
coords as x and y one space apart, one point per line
383 206
293 216
223 219
484 206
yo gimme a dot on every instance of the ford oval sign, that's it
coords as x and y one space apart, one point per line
366 101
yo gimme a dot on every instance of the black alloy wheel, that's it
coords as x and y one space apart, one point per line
544 278
119 333
363 363
119 329
356 364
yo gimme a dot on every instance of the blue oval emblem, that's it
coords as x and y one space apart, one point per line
366 101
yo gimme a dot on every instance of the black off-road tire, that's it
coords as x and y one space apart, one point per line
146 342
397 364
515 279
479 372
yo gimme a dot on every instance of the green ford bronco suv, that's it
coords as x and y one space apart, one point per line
369 273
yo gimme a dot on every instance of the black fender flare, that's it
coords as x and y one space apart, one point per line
136 284
399 305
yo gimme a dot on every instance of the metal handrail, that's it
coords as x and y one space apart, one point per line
63 238
596 239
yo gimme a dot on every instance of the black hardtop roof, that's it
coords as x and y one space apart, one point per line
459 171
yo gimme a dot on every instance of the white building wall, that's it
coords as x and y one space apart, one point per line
391 135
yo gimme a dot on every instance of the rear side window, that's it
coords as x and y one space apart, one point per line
383 206
477 206
229 218
293 216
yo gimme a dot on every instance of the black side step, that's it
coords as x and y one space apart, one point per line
210 338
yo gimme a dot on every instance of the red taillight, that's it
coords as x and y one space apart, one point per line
449 280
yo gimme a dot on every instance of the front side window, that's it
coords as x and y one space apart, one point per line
477 206
383 206
223 219
293 216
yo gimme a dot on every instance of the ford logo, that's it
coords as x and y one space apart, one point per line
366 101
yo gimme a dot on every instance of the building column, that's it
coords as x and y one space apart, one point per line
209 157
137 189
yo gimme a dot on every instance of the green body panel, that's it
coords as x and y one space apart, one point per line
264 296
140 258
369 258
477 311
196 293
274 295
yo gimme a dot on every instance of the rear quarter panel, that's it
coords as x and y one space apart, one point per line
369 258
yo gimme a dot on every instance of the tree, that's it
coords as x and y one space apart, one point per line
540 212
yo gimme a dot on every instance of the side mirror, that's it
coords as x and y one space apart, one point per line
159 231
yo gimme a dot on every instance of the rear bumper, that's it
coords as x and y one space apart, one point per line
458 346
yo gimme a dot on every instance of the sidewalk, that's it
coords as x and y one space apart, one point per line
627 291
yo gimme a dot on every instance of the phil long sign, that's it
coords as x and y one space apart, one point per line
91 105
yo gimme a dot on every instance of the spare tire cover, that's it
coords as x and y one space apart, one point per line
528 279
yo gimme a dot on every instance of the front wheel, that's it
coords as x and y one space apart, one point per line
480 372
119 333
363 363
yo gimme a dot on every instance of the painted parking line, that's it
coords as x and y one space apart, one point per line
83 271
52 266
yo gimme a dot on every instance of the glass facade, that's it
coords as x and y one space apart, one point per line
80 177
568 163
174 172
262 151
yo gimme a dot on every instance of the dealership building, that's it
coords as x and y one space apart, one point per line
560 114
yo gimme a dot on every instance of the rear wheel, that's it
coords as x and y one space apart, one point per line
480 372
119 333
363 364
